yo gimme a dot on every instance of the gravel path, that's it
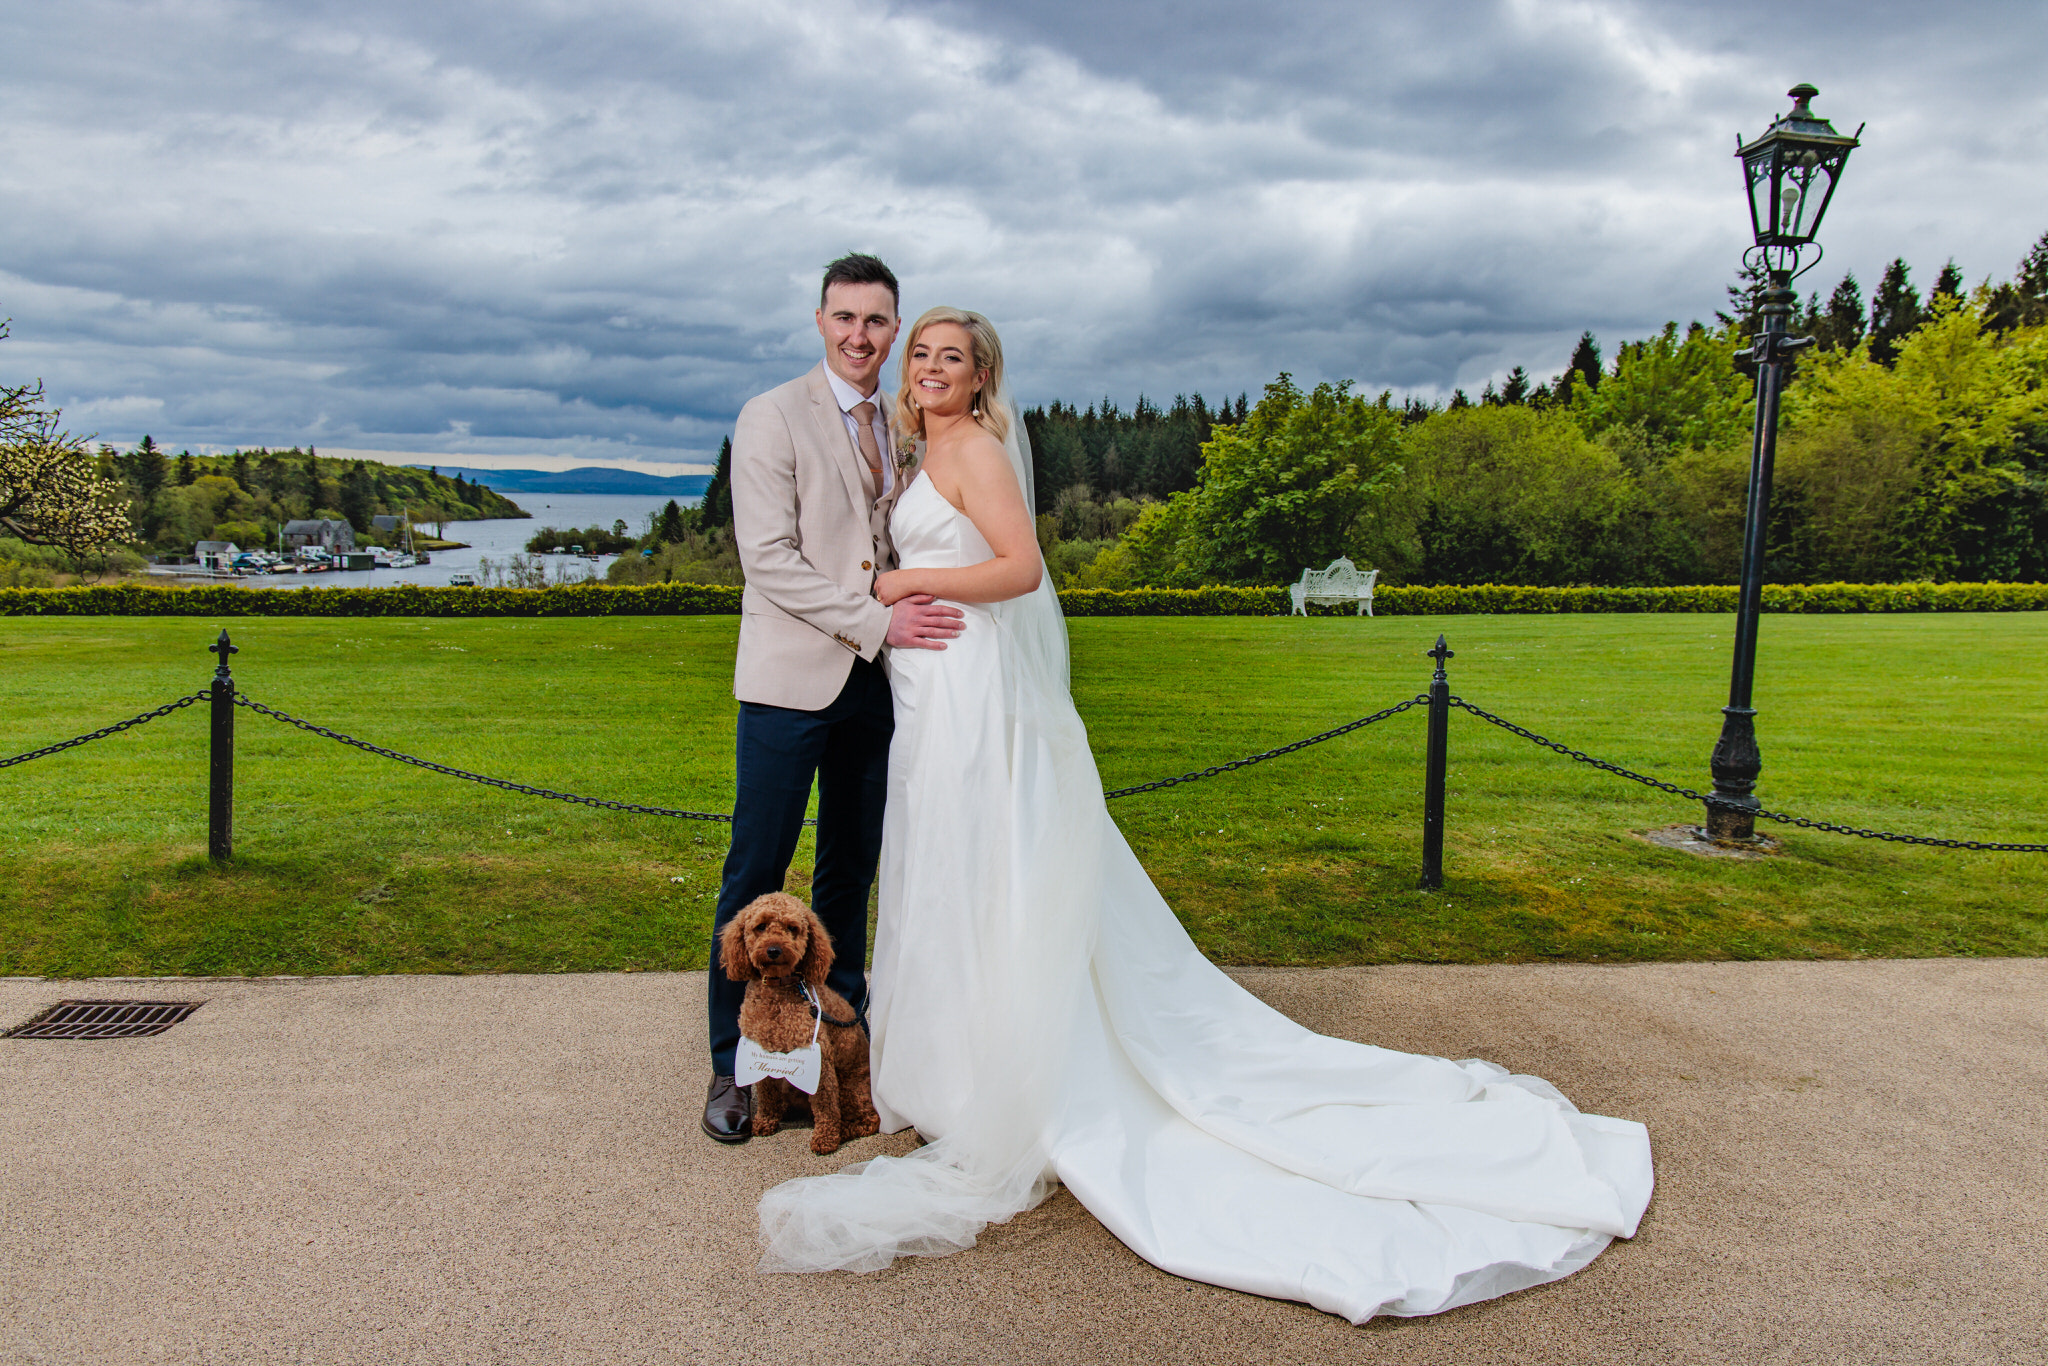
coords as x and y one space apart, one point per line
508 1169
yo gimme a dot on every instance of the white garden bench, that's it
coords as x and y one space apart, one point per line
1343 581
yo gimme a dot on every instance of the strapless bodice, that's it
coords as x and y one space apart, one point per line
930 533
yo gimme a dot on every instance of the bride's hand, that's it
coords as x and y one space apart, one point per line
892 586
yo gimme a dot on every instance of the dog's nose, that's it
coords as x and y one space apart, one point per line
773 953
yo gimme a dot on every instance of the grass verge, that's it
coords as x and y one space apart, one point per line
350 863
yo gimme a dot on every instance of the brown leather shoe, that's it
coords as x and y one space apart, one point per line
728 1111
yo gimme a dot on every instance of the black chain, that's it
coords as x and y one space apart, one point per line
165 710
1577 756
1675 790
634 807
1251 759
242 700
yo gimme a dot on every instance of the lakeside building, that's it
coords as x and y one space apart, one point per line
328 535
216 557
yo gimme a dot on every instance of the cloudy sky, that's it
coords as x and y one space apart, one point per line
573 232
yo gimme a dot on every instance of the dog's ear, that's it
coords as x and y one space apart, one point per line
732 949
817 959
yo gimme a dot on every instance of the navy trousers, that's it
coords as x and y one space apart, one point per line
845 747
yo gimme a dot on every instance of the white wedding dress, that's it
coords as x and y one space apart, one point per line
1040 1015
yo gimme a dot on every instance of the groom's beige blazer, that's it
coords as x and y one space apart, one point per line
811 542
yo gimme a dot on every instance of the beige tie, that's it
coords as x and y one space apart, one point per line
864 418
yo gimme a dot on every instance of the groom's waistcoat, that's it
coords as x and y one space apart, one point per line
812 544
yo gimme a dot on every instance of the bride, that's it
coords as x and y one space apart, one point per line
1040 1016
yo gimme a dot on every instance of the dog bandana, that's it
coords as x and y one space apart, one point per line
800 1068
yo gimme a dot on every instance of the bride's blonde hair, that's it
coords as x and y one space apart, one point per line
988 355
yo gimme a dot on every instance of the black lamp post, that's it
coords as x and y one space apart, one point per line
1792 171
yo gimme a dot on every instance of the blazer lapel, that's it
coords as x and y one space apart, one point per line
832 431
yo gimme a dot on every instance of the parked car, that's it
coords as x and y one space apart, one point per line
462 581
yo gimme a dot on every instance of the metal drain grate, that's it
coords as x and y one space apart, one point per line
104 1019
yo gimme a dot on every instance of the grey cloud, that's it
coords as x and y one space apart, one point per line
596 230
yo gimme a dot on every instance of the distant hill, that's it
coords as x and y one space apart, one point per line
585 479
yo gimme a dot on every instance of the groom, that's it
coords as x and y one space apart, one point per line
812 486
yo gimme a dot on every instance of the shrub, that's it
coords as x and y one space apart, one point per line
1506 494
247 535
696 556
595 540
15 574
1517 599
132 599
408 600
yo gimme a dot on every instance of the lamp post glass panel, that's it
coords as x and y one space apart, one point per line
1791 172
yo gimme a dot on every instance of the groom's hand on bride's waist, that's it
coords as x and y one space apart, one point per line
920 622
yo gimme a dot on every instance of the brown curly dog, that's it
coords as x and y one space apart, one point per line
771 945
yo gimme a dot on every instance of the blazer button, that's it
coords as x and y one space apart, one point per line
865 565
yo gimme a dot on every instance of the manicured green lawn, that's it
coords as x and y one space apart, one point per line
348 863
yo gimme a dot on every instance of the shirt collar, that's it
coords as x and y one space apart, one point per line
849 396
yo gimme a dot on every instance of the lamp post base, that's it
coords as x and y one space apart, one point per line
1736 763
1726 825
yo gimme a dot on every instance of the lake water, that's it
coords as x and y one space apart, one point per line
501 538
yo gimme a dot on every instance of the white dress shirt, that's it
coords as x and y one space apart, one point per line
849 398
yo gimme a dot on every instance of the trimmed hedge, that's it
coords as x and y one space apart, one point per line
1459 600
403 600
702 599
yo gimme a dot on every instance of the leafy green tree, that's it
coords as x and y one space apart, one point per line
195 511
1682 392
1278 492
1936 467
1508 495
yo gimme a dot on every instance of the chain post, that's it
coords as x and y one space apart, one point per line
1438 755
220 812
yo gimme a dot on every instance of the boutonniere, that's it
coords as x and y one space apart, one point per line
906 456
